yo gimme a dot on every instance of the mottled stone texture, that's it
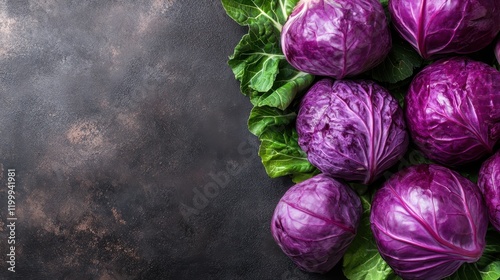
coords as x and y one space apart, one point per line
128 134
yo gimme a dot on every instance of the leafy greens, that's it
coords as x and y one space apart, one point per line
271 84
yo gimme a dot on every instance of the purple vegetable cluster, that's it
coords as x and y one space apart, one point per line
427 220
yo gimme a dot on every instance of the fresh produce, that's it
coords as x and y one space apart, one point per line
427 221
276 90
336 38
315 221
352 130
489 184
445 27
453 110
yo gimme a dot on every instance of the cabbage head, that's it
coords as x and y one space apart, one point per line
336 38
315 221
352 130
427 221
489 184
441 27
453 110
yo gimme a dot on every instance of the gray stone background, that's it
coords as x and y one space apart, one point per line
128 135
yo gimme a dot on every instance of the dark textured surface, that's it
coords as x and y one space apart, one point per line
120 118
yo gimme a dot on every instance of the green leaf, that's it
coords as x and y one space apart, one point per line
472 272
466 271
255 12
258 62
492 250
281 154
289 82
300 177
252 12
362 259
256 59
261 118
399 64
491 272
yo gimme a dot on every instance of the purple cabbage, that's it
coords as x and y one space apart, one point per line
453 110
442 27
489 184
352 130
315 221
336 38
427 221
